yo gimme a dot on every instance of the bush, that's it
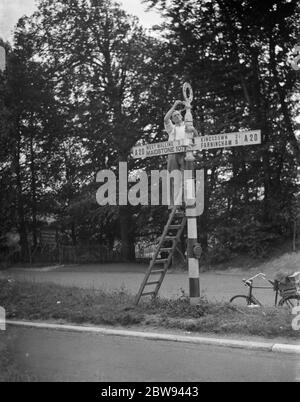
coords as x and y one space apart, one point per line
252 238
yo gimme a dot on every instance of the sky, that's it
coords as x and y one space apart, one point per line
12 10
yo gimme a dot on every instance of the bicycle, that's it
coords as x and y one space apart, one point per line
288 299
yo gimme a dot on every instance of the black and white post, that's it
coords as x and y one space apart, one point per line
2 59
191 207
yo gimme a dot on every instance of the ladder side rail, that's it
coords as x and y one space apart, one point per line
148 273
170 257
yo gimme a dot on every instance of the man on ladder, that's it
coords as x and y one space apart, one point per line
176 129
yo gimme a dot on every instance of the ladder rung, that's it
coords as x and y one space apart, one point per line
148 294
179 214
157 271
152 283
169 238
174 227
161 261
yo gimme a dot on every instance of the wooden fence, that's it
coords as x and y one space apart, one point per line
87 254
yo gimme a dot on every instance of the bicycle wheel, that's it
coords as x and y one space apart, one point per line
290 301
242 300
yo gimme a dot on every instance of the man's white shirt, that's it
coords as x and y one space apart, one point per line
176 133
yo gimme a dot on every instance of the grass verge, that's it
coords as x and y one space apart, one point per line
36 301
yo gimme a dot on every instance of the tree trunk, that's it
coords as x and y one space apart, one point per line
126 226
294 235
127 238
245 180
73 234
235 179
262 124
20 205
33 190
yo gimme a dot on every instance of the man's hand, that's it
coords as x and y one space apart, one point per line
192 132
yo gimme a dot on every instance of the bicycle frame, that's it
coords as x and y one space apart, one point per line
290 301
249 284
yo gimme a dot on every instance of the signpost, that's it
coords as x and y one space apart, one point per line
190 146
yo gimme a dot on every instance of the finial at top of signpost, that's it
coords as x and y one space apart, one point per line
188 119
188 92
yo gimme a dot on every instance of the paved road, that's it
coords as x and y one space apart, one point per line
66 356
215 286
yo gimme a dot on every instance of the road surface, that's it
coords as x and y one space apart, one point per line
67 356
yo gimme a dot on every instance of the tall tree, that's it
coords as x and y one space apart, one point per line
97 57
235 55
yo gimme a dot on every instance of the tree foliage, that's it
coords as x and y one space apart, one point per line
85 83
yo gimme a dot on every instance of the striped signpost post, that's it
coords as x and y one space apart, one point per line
191 207
189 146
2 59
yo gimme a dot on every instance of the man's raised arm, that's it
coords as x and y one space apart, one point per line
171 111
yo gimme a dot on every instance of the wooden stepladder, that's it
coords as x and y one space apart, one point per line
163 255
